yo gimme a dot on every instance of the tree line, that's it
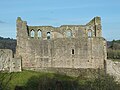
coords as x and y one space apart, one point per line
113 49
8 43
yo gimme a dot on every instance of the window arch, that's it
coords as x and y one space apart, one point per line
39 33
68 33
89 33
48 35
32 33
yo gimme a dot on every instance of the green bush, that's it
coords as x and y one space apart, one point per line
113 54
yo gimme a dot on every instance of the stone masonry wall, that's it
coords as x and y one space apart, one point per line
7 62
113 68
67 46
5 59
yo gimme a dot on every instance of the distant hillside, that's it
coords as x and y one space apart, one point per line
113 49
8 43
115 44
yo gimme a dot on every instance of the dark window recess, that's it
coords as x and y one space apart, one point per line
73 51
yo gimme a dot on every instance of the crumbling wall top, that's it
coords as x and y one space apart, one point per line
95 21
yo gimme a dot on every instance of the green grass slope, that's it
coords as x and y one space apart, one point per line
10 80
31 80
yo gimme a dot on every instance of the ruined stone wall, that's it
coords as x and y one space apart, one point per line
5 59
7 62
113 68
67 46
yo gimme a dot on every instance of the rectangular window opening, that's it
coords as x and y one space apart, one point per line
73 51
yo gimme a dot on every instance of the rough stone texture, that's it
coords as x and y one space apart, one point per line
113 68
5 59
67 46
7 62
16 65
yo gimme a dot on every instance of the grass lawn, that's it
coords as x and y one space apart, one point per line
31 80
10 80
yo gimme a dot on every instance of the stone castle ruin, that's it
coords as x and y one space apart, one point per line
64 47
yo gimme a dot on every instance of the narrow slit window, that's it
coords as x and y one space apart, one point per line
48 35
73 52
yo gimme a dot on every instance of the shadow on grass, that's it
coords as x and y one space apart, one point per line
62 82
4 86
58 82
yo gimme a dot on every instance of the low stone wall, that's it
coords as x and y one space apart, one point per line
8 63
5 59
16 65
113 68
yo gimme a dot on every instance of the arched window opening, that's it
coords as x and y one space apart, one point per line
48 35
32 33
89 33
39 34
68 34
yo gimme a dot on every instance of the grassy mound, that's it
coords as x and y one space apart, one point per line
31 80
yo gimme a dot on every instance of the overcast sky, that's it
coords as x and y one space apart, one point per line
60 12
